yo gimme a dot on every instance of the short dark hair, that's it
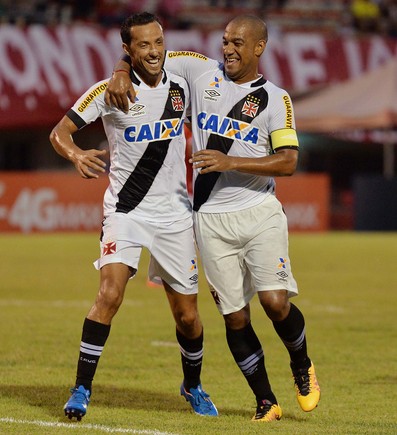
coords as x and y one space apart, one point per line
135 20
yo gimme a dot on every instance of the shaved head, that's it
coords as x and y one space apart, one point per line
256 25
244 41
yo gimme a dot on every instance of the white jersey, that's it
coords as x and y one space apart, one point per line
244 120
147 148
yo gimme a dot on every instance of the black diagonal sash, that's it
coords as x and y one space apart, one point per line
205 182
142 177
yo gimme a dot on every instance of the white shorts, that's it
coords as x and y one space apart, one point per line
171 245
245 252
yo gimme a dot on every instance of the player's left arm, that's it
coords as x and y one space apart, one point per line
282 163
283 139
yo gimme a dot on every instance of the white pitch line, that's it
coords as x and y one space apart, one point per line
83 426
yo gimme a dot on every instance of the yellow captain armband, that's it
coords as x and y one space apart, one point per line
284 138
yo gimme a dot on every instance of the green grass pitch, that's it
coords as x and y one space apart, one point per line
348 294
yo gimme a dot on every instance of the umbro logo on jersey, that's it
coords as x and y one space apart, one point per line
137 109
211 94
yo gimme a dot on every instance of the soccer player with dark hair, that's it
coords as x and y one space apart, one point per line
244 135
145 205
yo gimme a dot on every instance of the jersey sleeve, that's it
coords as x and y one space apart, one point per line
282 121
90 106
188 64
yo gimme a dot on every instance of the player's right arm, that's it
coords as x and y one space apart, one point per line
85 161
186 64
89 107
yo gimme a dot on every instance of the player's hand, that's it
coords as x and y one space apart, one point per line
211 161
119 91
88 161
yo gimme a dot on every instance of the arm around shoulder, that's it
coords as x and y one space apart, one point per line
120 88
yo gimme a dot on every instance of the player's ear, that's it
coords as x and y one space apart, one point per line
260 47
126 49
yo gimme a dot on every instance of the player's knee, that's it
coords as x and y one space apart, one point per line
238 319
275 304
188 322
110 296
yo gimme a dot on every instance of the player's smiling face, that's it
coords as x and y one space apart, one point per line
147 51
241 52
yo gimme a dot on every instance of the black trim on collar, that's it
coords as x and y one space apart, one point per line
137 82
260 82
134 78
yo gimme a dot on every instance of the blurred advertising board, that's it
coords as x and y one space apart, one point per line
50 201
306 200
63 202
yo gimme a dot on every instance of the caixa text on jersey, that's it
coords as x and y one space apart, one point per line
159 130
227 127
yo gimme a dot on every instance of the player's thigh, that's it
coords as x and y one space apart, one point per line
174 257
266 256
222 258
122 240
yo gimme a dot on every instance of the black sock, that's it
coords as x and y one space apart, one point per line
248 354
291 330
93 339
192 359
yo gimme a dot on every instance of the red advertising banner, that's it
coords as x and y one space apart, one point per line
44 70
50 201
59 202
306 201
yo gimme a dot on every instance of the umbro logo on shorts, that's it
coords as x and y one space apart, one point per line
194 278
282 274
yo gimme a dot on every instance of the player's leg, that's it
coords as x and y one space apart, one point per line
118 262
222 252
96 329
189 334
268 261
291 329
174 261
248 353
